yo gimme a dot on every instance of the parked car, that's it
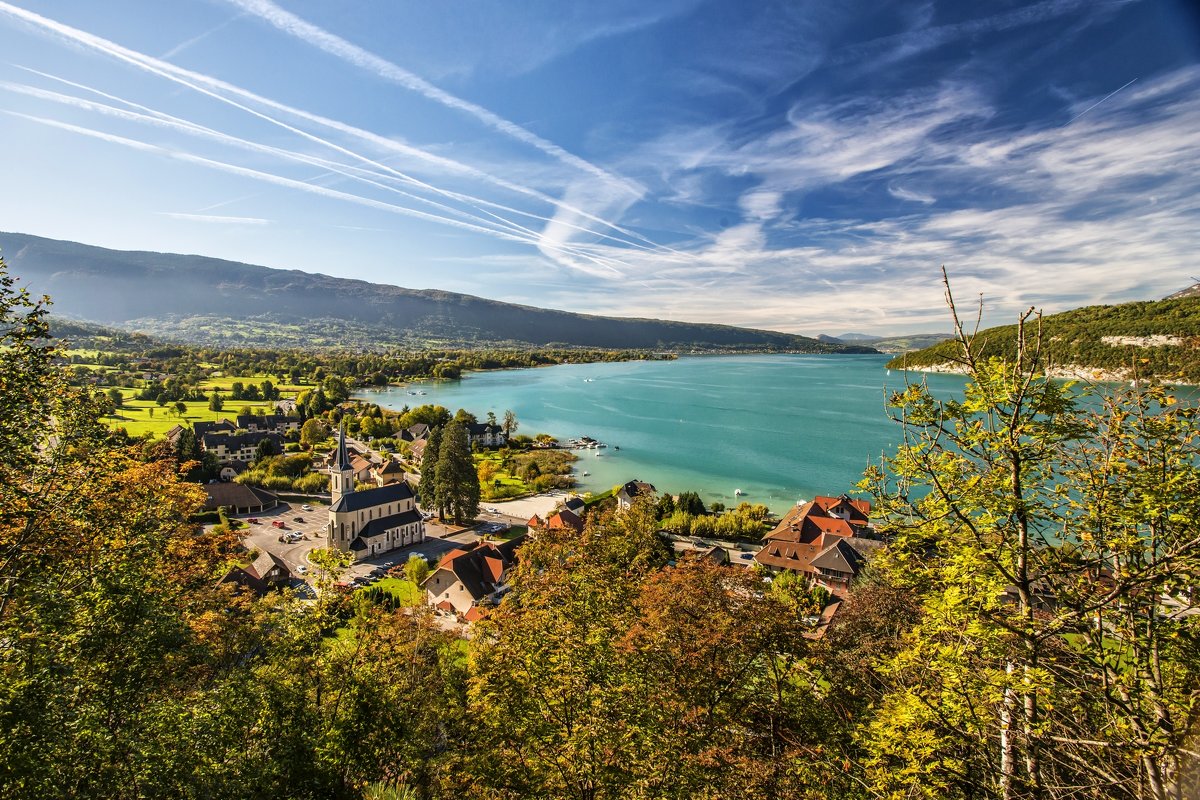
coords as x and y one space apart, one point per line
279 524
253 520
747 556
301 570
297 519
306 507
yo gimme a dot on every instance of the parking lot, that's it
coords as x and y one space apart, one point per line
304 531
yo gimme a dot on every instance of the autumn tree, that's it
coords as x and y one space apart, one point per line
1042 527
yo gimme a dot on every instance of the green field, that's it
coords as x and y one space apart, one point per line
139 417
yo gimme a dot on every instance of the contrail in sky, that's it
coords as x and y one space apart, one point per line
190 79
1093 105
347 51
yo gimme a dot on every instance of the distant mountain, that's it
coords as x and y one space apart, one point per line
1150 339
902 343
209 300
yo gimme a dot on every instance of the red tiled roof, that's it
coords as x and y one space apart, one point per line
565 519
474 614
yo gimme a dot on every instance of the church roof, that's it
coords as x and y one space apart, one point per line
369 498
342 457
377 527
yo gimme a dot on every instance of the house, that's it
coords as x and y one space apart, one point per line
270 569
415 433
270 423
575 505
362 468
471 577
173 435
238 498
388 472
220 426
633 490
243 578
242 447
267 570
286 407
231 469
827 540
561 520
418 450
369 522
485 434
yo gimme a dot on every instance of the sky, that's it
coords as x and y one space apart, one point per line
801 166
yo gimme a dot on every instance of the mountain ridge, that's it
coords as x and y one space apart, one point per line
162 292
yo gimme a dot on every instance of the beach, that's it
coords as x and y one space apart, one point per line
542 505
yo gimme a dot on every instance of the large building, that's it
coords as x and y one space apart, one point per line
827 541
370 522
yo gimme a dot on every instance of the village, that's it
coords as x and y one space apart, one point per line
391 540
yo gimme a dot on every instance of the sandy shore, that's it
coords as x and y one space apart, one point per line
526 507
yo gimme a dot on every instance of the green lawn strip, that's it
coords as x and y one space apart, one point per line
511 533
407 592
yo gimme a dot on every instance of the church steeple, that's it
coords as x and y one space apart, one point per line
341 477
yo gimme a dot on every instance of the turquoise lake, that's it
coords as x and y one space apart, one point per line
777 427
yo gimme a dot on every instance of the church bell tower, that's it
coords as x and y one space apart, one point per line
341 476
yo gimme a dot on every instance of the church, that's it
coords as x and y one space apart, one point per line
370 522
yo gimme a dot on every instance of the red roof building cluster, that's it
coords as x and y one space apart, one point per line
827 540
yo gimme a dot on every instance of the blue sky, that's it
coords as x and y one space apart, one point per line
800 166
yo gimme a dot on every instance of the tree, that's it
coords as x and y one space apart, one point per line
416 569
313 431
690 503
456 482
116 398
1039 525
464 417
215 401
427 490
510 423
180 408
264 450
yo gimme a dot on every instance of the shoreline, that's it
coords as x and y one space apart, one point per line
1070 372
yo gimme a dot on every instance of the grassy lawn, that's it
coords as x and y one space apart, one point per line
499 483
135 415
511 533
407 592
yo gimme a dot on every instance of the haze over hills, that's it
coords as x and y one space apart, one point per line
1149 339
902 343
199 299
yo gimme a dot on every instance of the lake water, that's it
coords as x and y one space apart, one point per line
777 427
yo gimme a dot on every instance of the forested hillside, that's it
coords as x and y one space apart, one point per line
1157 339
227 303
